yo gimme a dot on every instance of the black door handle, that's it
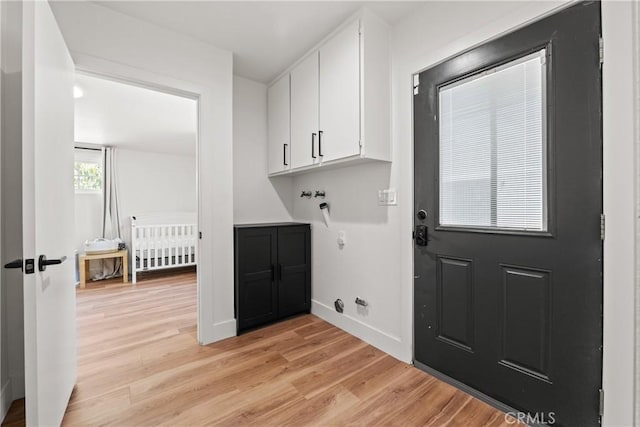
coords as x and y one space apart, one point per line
422 235
16 263
313 145
43 262
320 143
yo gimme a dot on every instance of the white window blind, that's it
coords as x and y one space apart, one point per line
493 148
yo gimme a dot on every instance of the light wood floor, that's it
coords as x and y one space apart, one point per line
140 364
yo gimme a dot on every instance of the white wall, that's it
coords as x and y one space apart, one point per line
152 183
368 266
256 198
107 42
12 347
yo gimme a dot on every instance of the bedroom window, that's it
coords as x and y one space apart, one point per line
87 171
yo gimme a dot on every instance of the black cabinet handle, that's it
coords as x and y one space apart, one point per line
320 143
16 263
280 271
284 154
313 145
43 262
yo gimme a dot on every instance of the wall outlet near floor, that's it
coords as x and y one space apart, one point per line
387 197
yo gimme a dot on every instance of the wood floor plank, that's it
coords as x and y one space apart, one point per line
313 411
139 364
375 377
320 379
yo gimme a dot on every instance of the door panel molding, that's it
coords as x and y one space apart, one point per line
455 295
531 317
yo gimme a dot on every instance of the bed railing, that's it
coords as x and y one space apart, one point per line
162 246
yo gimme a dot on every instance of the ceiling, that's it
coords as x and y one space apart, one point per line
265 37
127 116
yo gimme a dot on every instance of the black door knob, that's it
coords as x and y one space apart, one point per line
43 262
16 263
422 214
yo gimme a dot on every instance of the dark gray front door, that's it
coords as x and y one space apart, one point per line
508 255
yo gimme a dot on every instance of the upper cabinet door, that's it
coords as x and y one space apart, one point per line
279 126
304 113
340 95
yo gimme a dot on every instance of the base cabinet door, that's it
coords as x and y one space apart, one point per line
256 292
294 267
272 273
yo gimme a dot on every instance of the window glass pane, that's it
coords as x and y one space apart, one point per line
87 176
492 148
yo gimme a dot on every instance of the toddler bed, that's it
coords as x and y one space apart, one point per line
161 242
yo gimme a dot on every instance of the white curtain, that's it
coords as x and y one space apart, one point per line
110 213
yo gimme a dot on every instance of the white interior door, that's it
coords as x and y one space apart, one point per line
48 216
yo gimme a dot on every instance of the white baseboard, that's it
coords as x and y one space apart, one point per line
17 386
381 340
223 330
6 397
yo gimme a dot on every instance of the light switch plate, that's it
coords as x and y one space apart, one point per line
387 197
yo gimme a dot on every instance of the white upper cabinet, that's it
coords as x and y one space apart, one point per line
304 113
340 95
279 110
340 98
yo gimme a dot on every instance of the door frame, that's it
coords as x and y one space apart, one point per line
636 97
183 93
622 165
98 67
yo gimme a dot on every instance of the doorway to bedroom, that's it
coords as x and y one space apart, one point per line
136 203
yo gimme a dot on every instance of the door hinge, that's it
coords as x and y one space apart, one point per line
416 84
602 226
601 50
601 402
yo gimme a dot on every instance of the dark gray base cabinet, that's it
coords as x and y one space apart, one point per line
272 272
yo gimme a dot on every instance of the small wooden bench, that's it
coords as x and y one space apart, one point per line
83 264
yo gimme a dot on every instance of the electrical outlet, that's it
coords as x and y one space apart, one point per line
387 197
